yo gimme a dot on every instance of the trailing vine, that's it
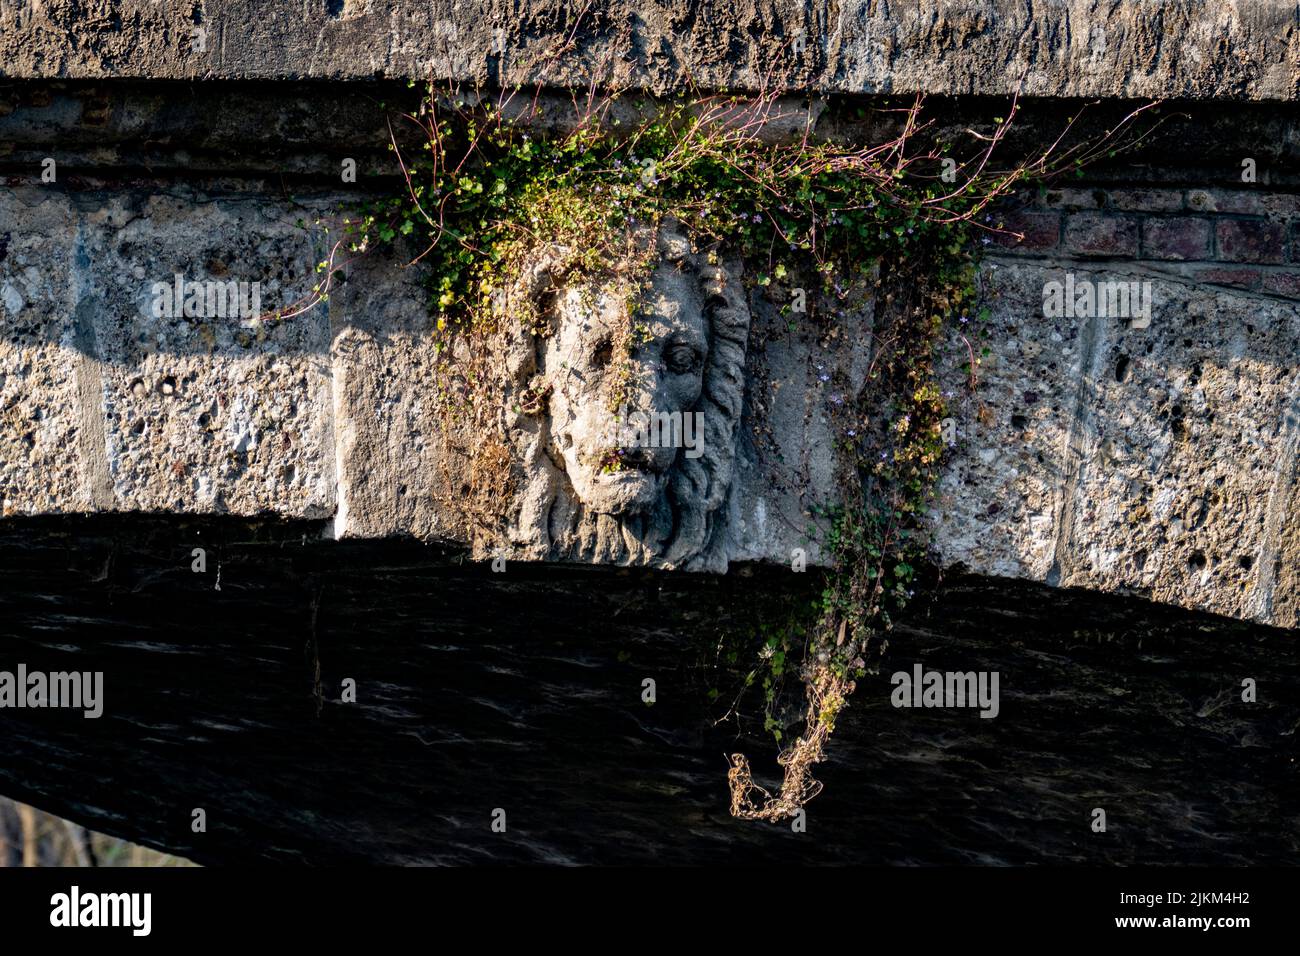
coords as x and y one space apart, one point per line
899 223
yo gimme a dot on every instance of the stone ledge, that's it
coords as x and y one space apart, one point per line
1213 49
1158 461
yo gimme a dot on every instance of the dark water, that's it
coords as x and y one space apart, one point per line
522 692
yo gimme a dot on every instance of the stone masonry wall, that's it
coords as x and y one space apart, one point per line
1157 460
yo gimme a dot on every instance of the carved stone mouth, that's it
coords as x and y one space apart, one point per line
622 460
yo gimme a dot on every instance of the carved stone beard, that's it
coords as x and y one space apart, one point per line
688 358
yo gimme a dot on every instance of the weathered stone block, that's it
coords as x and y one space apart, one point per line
998 504
996 48
1183 434
225 410
802 378
1280 569
395 477
1153 460
49 423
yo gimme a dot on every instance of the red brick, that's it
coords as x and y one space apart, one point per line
1241 278
1221 200
1146 200
1179 237
1282 205
1244 202
1042 231
1283 283
1071 197
1092 234
1250 240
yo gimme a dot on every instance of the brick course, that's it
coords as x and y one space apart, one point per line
1094 234
1246 227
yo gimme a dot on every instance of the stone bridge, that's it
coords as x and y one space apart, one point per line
1151 456
1144 461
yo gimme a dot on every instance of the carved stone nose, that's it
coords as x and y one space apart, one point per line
648 391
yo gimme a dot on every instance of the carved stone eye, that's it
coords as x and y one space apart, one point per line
680 358
602 352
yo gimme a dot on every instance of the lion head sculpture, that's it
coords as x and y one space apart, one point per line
624 401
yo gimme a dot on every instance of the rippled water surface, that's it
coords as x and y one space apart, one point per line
522 692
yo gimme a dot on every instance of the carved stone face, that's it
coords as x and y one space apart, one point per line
617 353
593 357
